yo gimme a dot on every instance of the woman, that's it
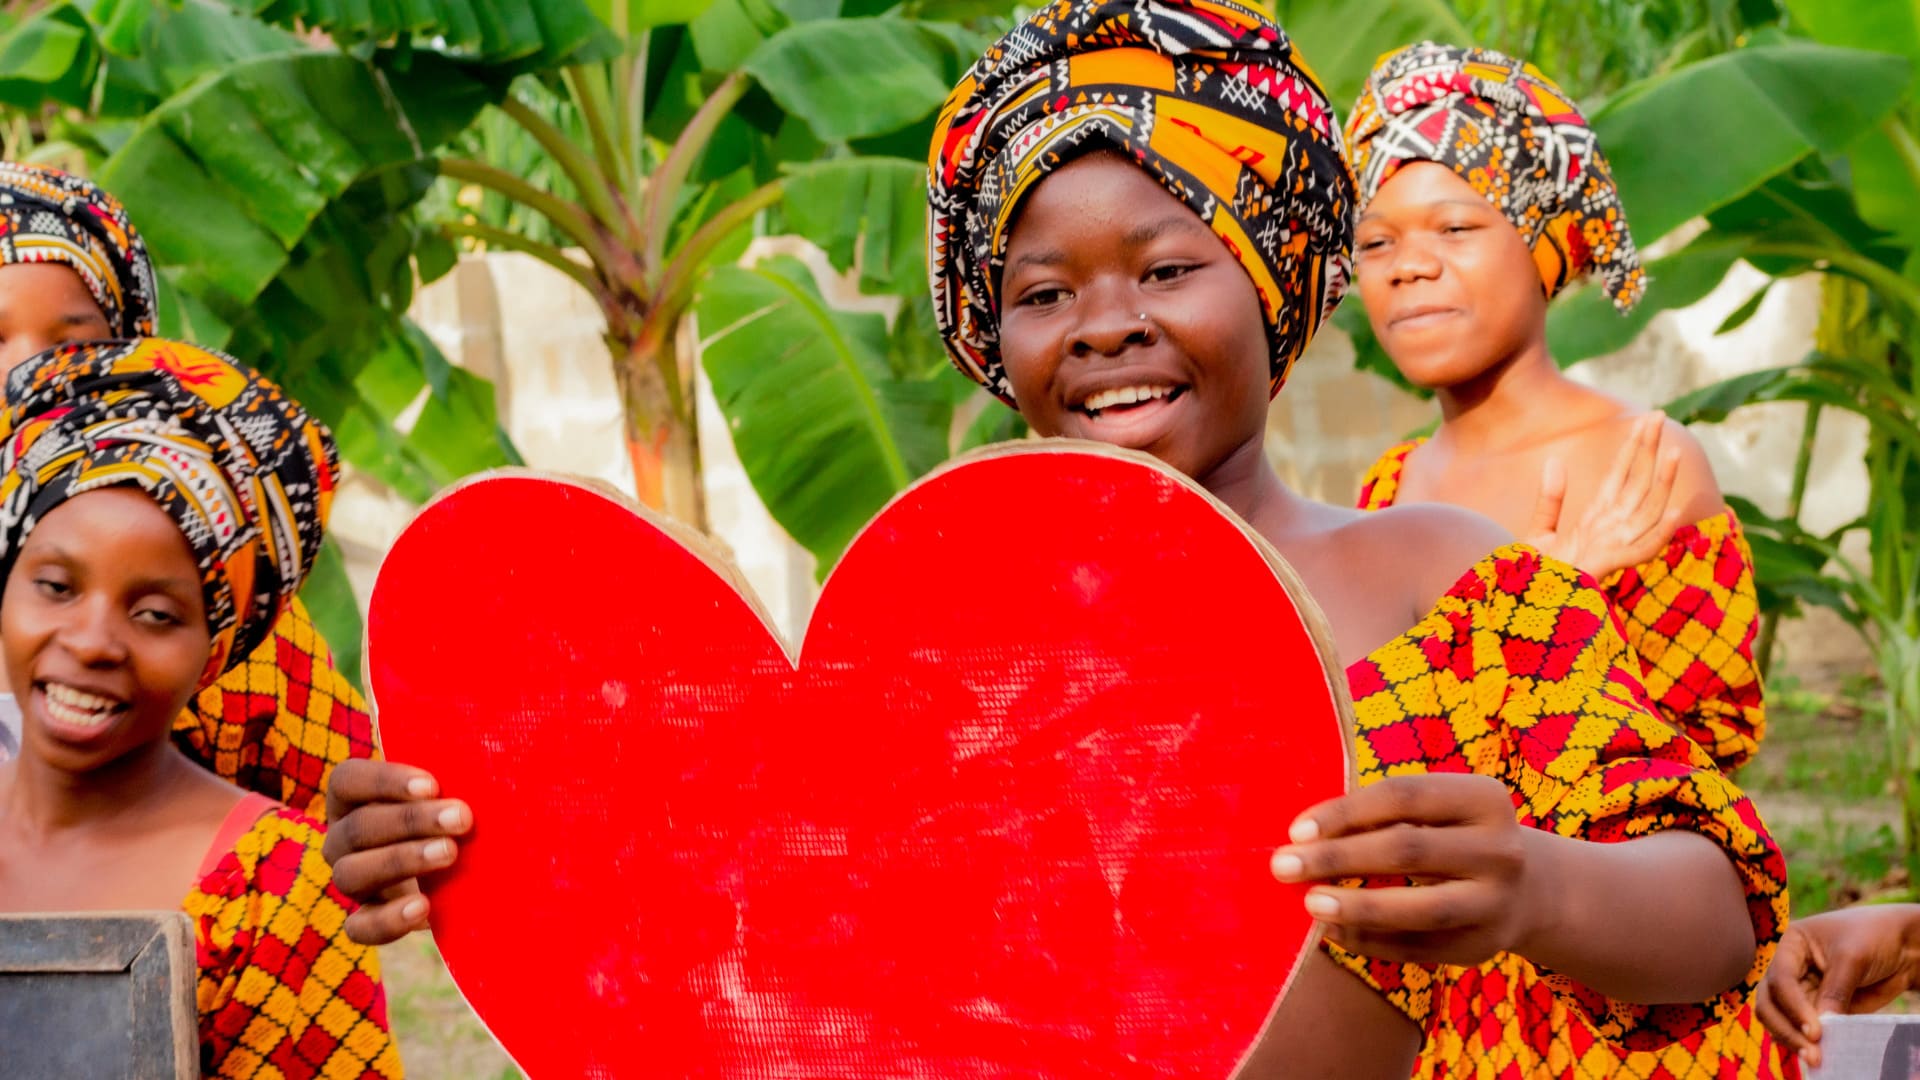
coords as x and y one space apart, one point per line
1140 216
73 268
159 508
1483 193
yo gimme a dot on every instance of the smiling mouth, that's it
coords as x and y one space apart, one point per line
1124 399
1418 319
78 710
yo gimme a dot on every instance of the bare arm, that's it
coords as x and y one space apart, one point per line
1332 1026
1655 920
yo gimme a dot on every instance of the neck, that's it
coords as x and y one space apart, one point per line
50 799
1498 407
1249 486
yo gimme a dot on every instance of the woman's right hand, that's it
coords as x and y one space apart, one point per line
386 826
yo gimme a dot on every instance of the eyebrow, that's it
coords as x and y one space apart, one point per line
54 552
1477 204
1138 236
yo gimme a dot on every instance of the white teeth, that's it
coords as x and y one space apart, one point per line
1124 395
77 708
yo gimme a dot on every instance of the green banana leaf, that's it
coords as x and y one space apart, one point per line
854 78
1687 143
541 34
826 426
866 210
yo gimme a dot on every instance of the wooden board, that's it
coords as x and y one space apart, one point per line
1868 1048
98 995
1006 812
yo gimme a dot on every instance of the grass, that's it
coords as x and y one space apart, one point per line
1821 782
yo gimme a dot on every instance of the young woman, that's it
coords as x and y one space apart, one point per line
73 268
1482 194
1140 216
159 508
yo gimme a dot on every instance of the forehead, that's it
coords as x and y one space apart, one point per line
43 283
120 527
1103 193
1420 185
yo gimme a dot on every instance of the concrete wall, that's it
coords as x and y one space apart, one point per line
531 330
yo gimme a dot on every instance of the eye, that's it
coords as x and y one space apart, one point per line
51 588
1373 243
1170 272
157 618
1457 228
1042 296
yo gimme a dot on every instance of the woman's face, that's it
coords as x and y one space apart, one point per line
1450 286
43 305
1125 319
104 627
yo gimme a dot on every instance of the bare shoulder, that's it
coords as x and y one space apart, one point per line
1695 488
1432 544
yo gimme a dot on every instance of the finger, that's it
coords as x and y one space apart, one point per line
1785 1030
1450 906
1403 851
1656 494
1838 983
376 825
368 876
1643 466
1552 499
358 781
388 922
1431 799
1461 947
1607 495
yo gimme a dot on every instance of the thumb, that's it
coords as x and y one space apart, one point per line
1553 496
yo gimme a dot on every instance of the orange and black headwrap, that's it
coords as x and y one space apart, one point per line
1208 96
1515 136
244 471
48 216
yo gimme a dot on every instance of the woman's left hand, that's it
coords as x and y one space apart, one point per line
1455 835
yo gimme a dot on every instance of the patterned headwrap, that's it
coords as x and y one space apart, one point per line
1518 139
50 216
241 467
1207 96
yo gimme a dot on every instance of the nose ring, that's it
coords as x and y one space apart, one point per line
1143 316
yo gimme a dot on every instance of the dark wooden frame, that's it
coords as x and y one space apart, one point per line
153 950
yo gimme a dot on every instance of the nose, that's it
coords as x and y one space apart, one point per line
1413 260
92 634
1112 320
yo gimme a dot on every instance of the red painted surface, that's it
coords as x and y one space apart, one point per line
1009 817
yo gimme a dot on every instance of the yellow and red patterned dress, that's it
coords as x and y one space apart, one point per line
283 994
279 722
1694 612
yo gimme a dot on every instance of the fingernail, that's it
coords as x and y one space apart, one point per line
452 818
1304 830
1287 866
440 852
414 910
420 787
1322 906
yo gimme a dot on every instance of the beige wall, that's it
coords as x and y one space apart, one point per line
531 330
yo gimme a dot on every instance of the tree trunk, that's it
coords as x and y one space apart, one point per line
661 428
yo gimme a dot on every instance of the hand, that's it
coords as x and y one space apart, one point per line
1631 517
385 829
1453 834
1852 961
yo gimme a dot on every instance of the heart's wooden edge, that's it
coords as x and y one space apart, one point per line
1319 631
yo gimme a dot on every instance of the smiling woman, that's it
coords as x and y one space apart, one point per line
159 507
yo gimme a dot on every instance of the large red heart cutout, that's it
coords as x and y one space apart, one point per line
1009 816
